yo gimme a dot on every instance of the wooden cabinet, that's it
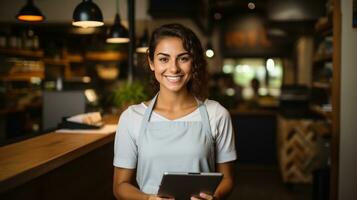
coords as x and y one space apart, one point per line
326 81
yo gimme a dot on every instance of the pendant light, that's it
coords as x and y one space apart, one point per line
143 42
117 33
87 14
30 13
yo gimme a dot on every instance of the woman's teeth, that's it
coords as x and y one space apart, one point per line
173 78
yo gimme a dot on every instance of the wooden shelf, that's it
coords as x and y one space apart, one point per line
23 52
322 112
74 58
322 85
322 58
105 56
24 76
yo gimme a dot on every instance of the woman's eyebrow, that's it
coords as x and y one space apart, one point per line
183 54
164 54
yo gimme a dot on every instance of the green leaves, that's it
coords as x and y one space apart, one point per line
127 94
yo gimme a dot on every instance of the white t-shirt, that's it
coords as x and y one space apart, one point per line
125 146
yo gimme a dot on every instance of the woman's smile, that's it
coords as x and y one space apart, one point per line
173 78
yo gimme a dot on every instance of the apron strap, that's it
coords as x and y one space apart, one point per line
205 118
150 108
206 125
147 115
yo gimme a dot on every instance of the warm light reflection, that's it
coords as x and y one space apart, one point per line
209 53
141 49
30 18
88 24
230 92
35 80
86 79
227 69
82 30
251 5
91 95
118 40
270 65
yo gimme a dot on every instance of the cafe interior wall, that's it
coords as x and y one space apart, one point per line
348 128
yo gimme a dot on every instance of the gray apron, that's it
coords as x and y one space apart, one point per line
173 146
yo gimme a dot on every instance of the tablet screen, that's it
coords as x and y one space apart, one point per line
182 186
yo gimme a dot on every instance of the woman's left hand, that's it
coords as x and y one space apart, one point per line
203 196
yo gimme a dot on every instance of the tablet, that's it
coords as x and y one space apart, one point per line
183 185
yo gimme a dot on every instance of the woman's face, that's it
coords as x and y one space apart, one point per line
172 64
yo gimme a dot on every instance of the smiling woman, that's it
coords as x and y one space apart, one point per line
171 65
195 133
191 50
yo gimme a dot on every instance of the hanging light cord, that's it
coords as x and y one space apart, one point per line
117 6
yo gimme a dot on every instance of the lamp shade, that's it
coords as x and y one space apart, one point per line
30 13
87 14
117 33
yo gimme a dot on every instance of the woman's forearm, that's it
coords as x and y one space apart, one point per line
126 191
224 188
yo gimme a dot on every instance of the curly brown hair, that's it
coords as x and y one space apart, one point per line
197 85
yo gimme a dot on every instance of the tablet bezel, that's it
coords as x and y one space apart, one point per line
183 185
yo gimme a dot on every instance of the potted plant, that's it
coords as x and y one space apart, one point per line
127 94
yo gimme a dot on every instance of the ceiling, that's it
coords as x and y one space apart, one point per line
292 16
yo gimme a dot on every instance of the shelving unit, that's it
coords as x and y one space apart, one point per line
322 68
21 91
328 29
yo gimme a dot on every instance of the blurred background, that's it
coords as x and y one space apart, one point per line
276 65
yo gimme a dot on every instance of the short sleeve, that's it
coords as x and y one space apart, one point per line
125 147
225 139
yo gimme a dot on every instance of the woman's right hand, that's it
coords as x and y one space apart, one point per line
155 197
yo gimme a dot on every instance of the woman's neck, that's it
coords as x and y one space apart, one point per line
175 100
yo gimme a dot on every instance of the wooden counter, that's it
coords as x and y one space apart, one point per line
29 159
